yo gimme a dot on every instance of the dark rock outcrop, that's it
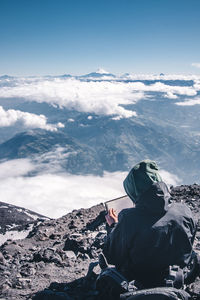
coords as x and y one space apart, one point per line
52 261
13 217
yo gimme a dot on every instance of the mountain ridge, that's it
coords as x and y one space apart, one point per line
14 217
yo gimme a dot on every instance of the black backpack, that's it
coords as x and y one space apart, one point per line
111 285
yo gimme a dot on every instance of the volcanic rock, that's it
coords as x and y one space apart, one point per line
52 261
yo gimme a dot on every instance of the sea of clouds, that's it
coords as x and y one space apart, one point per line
54 194
103 97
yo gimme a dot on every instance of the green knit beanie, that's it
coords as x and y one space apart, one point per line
140 178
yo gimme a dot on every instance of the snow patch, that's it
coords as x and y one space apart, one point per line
102 71
15 235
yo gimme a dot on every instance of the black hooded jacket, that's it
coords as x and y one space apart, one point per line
151 236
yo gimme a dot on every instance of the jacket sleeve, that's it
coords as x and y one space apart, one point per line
116 245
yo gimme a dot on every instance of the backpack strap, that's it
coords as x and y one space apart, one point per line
165 293
175 277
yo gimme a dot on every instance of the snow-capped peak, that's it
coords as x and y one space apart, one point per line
99 74
102 71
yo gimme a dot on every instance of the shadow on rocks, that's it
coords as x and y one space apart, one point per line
51 295
79 289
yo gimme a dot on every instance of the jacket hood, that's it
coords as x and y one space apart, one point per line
156 199
140 178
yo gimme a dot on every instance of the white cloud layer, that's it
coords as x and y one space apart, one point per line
29 120
189 102
103 98
99 97
55 195
169 178
14 168
164 77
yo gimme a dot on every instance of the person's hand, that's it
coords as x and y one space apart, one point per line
111 217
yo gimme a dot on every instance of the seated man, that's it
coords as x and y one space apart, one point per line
146 239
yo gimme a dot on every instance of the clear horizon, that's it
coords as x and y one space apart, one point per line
138 37
140 75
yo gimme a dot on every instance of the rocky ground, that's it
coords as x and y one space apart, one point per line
52 261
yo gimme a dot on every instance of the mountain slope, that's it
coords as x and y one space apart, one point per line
121 144
15 217
57 253
106 145
16 222
75 158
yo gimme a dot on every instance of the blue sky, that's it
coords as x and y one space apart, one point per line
77 36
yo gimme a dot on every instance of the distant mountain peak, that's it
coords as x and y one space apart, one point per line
99 73
102 71
125 75
65 75
6 77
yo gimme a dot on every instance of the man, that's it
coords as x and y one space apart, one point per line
146 239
